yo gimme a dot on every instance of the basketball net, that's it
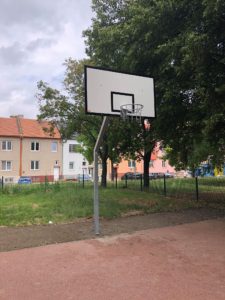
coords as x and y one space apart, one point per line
133 111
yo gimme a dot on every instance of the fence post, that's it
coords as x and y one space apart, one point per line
164 184
141 183
196 188
45 183
2 182
116 179
126 180
83 180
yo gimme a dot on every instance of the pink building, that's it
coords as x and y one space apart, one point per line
157 164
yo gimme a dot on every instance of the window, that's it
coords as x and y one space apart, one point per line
131 163
84 163
35 146
34 165
163 163
9 180
6 145
151 163
73 148
6 165
54 146
71 165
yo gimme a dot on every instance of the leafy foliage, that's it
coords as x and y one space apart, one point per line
182 45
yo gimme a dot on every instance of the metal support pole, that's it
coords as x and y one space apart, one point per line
96 194
96 197
196 188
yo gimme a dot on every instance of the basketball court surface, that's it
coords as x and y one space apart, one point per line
178 262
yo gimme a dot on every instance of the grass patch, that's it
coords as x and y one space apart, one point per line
64 202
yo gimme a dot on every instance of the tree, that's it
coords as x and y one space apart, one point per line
109 43
180 44
197 63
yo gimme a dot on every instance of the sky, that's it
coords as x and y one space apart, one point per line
36 36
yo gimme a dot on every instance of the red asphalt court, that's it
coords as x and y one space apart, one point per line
180 262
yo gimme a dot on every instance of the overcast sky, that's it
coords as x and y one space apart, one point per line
36 36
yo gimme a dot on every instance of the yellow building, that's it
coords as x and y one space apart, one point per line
29 148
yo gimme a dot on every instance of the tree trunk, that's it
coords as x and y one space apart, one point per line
147 157
104 173
104 156
112 171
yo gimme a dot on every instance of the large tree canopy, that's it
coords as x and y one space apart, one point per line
181 44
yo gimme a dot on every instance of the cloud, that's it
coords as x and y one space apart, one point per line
35 13
36 38
12 55
39 43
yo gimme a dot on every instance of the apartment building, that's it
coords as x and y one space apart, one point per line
157 164
74 163
29 148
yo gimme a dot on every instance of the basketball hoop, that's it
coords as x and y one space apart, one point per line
132 111
106 92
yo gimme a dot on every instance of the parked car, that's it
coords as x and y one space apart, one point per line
24 180
169 175
131 175
152 175
188 174
83 177
159 175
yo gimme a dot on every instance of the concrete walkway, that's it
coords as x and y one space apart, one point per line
180 262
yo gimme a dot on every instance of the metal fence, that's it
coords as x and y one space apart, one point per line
198 188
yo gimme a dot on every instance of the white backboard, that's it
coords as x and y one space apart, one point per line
107 90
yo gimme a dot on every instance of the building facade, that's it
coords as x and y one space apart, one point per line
157 165
74 163
29 148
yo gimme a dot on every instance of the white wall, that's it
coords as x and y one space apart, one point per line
76 158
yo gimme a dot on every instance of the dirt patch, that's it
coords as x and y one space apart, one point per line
12 238
133 213
34 205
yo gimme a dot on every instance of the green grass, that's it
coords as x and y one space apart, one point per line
37 204
64 202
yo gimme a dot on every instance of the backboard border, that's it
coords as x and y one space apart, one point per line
114 71
123 94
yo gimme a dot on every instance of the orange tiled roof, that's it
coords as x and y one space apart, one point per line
34 128
27 128
153 155
8 127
